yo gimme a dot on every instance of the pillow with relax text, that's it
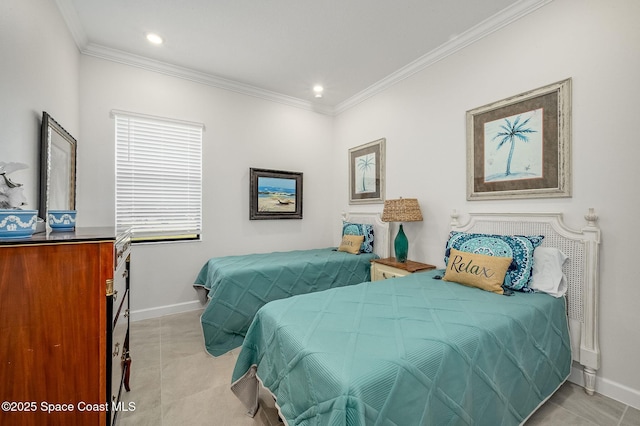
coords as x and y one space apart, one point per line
351 243
519 248
349 228
477 270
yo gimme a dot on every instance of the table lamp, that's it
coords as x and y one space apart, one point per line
401 210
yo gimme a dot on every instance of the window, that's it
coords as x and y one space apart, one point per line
158 177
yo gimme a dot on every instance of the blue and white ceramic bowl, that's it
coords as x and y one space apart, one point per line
17 223
61 220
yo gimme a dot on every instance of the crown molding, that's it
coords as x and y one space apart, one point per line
85 47
125 58
70 17
485 28
478 32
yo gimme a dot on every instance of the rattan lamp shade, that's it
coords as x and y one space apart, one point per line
402 210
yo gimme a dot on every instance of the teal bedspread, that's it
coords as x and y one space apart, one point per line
407 351
240 285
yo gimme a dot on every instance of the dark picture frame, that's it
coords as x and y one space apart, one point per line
520 147
58 152
275 194
366 173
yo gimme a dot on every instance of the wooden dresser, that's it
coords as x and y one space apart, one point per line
64 320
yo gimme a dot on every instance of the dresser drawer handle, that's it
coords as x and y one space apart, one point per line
109 286
126 313
117 349
115 295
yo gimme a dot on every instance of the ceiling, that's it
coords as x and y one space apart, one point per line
280 49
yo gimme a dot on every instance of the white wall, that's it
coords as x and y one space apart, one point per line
593 41
597 43
240 132
38 72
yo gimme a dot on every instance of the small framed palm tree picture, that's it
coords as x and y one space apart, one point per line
520 147
366 173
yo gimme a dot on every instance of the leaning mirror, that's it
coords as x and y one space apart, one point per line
57 167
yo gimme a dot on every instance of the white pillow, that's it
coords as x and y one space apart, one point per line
547 273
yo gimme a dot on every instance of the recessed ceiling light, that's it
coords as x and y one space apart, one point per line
154 38
317 89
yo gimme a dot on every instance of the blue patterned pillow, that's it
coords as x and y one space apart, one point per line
360 229
518 247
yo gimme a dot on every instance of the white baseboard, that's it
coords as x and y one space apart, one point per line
608 388
161 311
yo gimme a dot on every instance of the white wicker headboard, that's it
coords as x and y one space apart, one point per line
581 270
380 230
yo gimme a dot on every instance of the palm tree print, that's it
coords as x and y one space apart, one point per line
365 163
510 133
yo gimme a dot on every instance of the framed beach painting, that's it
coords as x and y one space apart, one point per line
275 194
520 147
366 173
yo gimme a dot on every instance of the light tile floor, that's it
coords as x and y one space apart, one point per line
175 382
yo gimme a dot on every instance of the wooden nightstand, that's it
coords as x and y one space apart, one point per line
381 269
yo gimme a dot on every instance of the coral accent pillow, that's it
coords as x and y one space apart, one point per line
351 243
477 270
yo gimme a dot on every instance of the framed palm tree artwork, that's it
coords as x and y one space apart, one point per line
520 147
366 173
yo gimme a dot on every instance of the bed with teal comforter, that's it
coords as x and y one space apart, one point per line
240 285
408 351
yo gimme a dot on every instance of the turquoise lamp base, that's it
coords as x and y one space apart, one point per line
401 246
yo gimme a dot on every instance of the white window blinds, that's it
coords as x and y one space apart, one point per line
158 177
